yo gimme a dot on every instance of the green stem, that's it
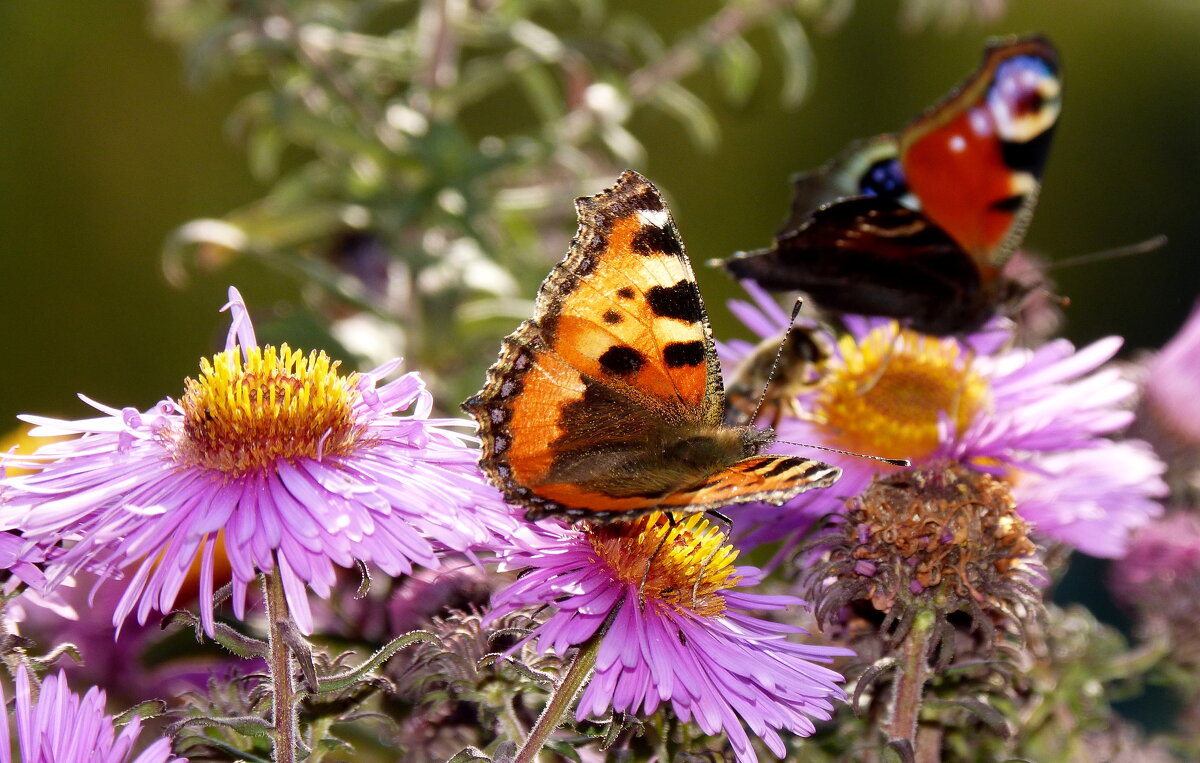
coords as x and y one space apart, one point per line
687 56
282 670
910 680
564 695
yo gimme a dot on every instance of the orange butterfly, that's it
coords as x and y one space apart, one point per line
607 404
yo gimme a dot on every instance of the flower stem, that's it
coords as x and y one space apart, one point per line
282 669
685 57
910 680
564 695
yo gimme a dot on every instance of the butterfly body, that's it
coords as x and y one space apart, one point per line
608 403
918 226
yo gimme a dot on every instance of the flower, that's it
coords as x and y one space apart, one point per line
942 539
1035 417
61 726
272 460
681 636
1159 580
1169 416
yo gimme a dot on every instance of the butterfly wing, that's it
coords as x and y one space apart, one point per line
608 402
938 210
975 159
868 167
874 256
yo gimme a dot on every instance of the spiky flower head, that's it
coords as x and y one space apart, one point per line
942 539
1159 581
273 459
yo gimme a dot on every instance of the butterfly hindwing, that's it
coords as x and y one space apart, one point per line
878 257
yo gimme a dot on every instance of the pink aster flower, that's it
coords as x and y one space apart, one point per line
1159 580
62 727
686 642
1169 415
1037 417
272 459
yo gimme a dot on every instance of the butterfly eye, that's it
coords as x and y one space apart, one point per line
884 178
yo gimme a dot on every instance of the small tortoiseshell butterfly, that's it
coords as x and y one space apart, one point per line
918 226
608 403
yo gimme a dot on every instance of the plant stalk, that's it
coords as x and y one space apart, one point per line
913 670
282 668
564 694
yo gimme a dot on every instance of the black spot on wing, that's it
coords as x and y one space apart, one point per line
625 292
612 317
646 200
681 301
652 239
1010 204
1028 156
680 354
622 360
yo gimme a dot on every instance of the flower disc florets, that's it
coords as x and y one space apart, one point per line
242 415
686 564
941 538
884 395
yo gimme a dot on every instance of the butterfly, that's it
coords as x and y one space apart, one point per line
608 403
918 226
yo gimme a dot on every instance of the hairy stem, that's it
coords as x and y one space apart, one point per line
283 707
564 694
911 674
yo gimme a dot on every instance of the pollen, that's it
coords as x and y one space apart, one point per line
890 390
241 416
689 561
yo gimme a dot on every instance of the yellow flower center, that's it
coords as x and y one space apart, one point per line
886 394
693 550
240 416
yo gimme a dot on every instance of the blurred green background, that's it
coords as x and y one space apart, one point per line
105 150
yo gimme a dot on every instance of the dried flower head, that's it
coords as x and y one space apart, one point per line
941 538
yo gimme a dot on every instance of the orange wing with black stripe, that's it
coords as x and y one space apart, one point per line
608 402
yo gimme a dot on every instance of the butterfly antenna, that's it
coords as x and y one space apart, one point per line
891 461
1152 244
762 398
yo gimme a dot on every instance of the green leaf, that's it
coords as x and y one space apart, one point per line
737 68
796 59
691 112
